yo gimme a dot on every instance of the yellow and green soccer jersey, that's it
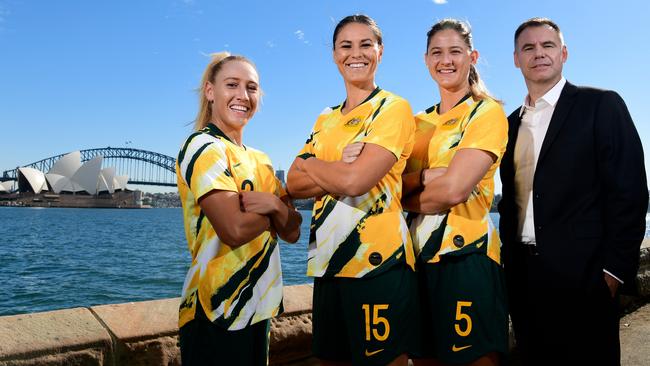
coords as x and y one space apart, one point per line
238 286
466 227
364 235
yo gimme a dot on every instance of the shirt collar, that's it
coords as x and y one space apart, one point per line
551 97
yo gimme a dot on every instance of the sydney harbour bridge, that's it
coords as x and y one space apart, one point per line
142 166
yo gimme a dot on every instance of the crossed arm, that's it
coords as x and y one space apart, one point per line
238 218
438 189
313 177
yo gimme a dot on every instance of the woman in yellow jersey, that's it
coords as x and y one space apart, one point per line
233 208
449 187
360 252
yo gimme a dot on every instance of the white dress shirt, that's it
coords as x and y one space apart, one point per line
535 118
534 124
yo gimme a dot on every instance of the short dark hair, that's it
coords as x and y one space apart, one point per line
538 22
357 18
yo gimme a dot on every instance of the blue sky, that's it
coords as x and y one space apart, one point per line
86 74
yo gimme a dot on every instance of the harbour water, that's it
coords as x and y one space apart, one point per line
54 258
61 258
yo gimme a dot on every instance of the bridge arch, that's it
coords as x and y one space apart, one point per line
142 166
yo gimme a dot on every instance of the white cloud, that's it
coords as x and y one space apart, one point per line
301 36
439 2
270 44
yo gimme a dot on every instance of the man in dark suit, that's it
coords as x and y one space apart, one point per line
573 208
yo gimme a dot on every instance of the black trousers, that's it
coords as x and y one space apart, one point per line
556 324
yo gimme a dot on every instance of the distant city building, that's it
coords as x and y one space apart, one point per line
280 175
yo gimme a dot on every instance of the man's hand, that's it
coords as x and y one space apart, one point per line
612 284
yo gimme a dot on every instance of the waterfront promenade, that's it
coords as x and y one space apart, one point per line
146 333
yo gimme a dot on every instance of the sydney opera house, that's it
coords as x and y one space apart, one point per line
71 183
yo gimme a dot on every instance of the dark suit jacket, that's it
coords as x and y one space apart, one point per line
589 191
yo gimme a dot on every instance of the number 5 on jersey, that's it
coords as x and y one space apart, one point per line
376 321
463 317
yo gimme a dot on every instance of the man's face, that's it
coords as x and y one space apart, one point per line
540 55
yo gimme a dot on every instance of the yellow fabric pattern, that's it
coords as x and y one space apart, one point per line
466 227
364 235
239 286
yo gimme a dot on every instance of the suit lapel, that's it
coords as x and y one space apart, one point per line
514 121
560 114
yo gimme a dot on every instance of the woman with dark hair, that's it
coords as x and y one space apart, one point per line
448 188
233 209
360 252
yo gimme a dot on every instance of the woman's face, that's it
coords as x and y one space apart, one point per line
357 53
235 94
448 60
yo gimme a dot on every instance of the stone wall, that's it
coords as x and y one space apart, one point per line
136 333
146 333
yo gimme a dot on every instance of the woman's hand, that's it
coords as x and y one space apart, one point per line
285 220
259 202
352 152
299 184
432 173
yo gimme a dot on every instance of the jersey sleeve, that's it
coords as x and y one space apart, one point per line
392 127
271 183
419 158
308 151
487 129
206 167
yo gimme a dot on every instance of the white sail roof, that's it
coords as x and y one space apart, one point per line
67 165
70 175
121 181
106 178
87 175
60 183
6 186
35 178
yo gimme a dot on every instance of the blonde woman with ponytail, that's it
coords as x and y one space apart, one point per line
234 209
448 190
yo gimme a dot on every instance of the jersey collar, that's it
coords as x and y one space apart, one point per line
431 114
372 95
215 131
